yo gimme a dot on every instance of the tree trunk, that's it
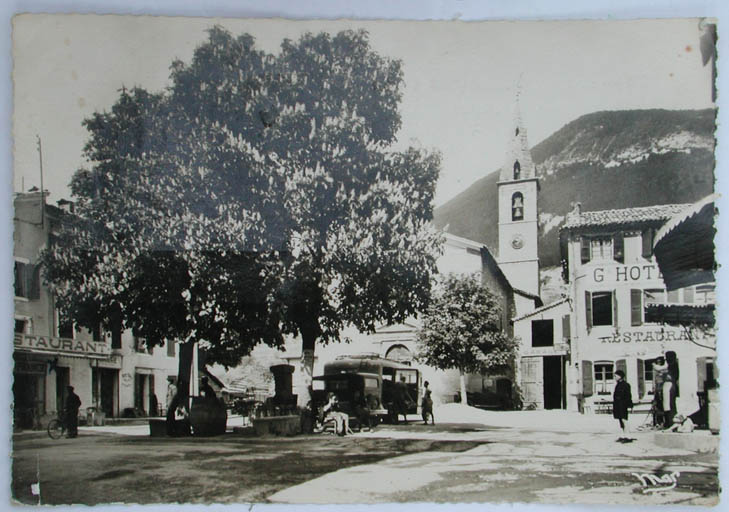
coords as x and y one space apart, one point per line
184 372
306 367
464 396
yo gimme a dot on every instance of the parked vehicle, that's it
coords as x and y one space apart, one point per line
367 384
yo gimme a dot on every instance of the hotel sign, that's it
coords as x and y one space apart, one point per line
61 346
625 273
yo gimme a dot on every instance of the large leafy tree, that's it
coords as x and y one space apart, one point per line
256 197
461 329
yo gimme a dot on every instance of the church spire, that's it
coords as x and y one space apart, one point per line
518 164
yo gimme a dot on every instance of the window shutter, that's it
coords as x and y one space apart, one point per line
35 279
588 309
701 373
618 248
615 307
585 249
18 281
688 295
566 328
641 378
636 307
587 378
647 237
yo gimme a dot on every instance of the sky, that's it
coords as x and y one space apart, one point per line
460 79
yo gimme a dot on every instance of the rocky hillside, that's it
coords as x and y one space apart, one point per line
604 160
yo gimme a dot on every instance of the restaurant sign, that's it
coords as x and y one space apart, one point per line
61 346
658 335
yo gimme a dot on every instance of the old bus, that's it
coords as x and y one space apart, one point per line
369 380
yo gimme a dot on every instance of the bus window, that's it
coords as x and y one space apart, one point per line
370 382
337 385
388 373
411 376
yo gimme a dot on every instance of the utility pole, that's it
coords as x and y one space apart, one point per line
42 191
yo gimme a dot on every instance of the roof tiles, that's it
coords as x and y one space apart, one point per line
661 212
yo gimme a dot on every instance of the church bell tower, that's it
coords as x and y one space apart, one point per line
518 187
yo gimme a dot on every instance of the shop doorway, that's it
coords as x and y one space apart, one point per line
28 399
63 380
141 392
105 390
553 379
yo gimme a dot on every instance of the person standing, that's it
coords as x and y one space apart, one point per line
668 395
73 403
622 401
660 370
427 404
171 404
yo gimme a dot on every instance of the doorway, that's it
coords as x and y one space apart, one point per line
63 380
553 383
104 387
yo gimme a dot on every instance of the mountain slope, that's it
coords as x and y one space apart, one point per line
604 160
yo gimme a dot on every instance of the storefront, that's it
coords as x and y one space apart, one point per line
44 367
544 355
615 284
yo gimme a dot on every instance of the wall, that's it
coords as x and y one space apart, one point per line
623 340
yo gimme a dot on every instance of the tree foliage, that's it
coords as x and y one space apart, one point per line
461 329
256 197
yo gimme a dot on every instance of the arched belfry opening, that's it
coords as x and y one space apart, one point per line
517 170
517 206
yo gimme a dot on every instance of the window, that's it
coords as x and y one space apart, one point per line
655 296
517 170
601 248
673 297
600 308
705 294
27 280
604 378
65 329
170 348
20 326
542 333
647 236
566 336
648 375
639 302
517 206
96 333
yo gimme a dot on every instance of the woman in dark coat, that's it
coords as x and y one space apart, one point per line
622 401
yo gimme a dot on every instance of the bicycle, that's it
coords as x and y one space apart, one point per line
57 427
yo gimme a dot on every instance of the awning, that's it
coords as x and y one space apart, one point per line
684 246
680 314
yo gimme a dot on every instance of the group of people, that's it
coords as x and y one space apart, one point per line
665 391
402 402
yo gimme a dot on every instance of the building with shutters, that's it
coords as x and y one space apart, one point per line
110 371
614 284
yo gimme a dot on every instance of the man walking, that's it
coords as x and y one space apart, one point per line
73 403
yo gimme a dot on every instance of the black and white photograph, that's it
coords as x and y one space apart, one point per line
364 261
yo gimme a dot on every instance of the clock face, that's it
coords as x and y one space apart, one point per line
517 242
